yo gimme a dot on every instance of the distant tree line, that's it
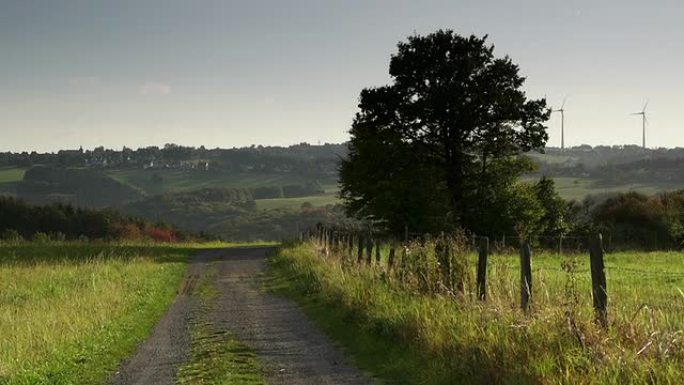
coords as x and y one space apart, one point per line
19 220
632 220
302 158
613 164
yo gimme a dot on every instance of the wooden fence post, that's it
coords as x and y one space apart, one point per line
525 275
598 279
333 241
369 251
378 257
390 258
482 268
359 257
443 259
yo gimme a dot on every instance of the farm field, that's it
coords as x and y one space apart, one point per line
295 203
579 188
70 312
186 180
330 197
9 177
403 336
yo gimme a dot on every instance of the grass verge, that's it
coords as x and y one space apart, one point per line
70 313
404 337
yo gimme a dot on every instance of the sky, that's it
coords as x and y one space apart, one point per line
234 73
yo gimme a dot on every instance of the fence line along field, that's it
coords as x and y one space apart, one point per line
70 312
424 296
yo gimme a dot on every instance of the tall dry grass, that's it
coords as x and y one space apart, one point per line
450 337
70 315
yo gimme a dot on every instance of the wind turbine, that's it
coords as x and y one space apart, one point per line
643 124
562 112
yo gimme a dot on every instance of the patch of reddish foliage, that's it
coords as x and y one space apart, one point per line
162 235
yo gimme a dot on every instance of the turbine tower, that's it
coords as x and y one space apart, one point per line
562 112
643 124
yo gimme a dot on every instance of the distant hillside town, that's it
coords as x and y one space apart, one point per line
300 158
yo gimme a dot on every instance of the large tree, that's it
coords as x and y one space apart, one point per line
445 135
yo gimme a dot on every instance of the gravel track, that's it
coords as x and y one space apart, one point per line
291 349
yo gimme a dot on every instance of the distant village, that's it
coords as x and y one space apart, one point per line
322 160
297 158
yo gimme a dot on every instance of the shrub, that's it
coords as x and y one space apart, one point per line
57 237
41 237
129 231
11 235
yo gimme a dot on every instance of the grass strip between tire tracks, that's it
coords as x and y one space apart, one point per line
217 357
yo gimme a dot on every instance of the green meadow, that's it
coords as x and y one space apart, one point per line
11 175
186 180
578 188
71 312
174 180
330 197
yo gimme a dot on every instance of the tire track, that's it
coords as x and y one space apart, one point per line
291 349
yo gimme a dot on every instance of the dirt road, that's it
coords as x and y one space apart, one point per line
292 351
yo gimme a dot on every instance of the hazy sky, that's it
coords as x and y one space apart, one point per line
233 73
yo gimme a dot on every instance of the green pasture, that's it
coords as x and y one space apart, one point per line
11 175
578 188
71 312
186 180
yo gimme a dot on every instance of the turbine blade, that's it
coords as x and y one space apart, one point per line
645 105
565 99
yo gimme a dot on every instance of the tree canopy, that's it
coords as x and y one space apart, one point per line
442 142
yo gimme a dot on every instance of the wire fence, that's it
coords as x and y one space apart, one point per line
441 267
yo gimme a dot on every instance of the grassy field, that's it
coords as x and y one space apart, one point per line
9 177
70 312
186 180
295 203
579 188
405 337
330 197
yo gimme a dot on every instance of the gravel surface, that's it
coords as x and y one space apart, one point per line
156 360
291 349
